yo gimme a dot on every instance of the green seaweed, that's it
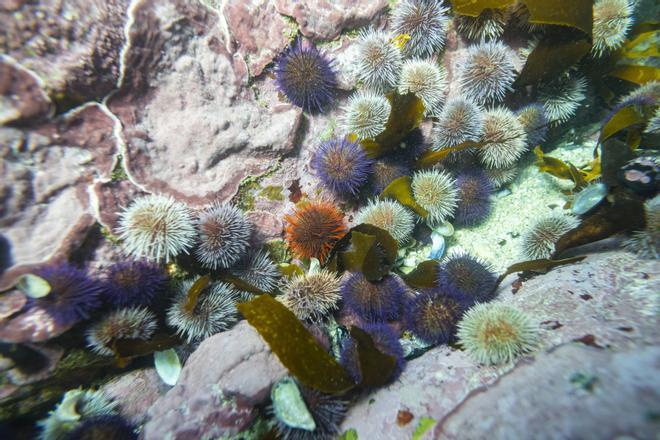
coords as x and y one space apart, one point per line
350 434
119 173
401 190
423 276
406 115
272 193
296 348
278 250
376 367
367 249
425 423
290 270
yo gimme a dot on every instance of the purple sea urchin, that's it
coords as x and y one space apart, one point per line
489 25
427 81
312 296
133 283
425 21
539 241
461 120
213 312
436 192
432 316
612 20
488 72
373 301
562 96
313 229
497 333
467 276
474 189
156 228
223 236
129 323
384 172
390 216
342 166
111 427
385 340
504 139
534 122
378 61
366 114
258 270
648 94
306 77
73 295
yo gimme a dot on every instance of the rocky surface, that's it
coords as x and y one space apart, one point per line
135 393
221 382
601 310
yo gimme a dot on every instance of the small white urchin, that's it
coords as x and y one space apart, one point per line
489 25
259 270
612 20
653 126
425 21
539 242
366 115
488 72
436 192
427 81
224 236
562 97
312 296
378 61
494 333
504 139
214 311
646 243
390 216
461 120
128 323
156 228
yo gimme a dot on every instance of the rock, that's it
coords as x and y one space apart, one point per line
21 97
47 211
192 126
573 392
73 48
266 226
261 33
135 392
220 383
325 20
609 300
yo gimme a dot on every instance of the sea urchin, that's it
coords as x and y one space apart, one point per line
373 301
504 139
436 192
425 21
467 276
224 236
133 283
378 61
488 72
131 323
313 229
390 216
432 316
342 166
366 114
426 80
474 189
313 295
612 20
539 241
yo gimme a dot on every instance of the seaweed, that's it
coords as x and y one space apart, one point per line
376 368
126 349
540 266
431 158
195 290
289 270
367 249
239 283
560 169
406 115
401 190
296 348
423 276
624 118
636 74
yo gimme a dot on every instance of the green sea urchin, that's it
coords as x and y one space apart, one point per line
562 96
259 270
436 192
646 242
488 72
130 323
426 80
539 241
223 237
504 139
157 228
496 333
312 296
461 120
489 25
378 61
390 216
612 20
425 21
366 114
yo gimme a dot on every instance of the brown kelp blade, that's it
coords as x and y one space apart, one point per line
376 367
540 266
423 276
400 189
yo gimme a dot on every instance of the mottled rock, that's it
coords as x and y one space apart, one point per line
11 302
34 325
326 19
72 46
611 296
260 32
113 196
573 392
135 392
46 207
222 380
192 126
21 97
37 372
267 226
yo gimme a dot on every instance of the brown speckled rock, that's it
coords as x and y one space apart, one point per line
21 97
192 126
221 381
135 392
612 296
47 210
326 19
